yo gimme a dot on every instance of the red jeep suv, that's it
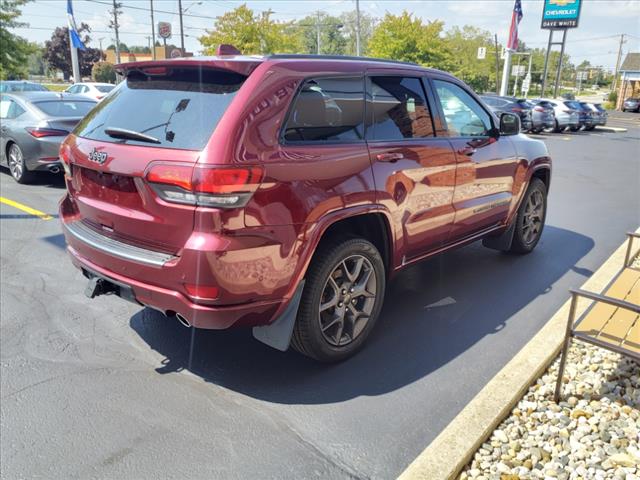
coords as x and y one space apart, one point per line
282 192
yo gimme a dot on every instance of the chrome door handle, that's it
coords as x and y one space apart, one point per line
389 157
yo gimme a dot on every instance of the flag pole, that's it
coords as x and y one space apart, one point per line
75 65
504 86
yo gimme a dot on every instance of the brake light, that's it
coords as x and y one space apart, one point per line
99 97
218 187
65 157
46 132
538 109
517 109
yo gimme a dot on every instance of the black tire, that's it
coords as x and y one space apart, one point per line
17 165
521 242
308 337
574 129
590 128
557 128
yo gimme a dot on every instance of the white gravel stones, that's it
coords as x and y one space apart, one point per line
594 433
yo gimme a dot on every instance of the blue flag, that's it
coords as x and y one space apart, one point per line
73 30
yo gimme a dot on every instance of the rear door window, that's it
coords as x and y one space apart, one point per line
327 110
180 107
398 109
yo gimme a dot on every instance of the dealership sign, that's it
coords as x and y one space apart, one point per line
561 13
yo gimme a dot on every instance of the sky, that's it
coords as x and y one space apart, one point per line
597 38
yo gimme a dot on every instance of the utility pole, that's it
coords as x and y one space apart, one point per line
495 38
181 28
153 32
615 74
148 41
357 28
114 24
504 86
557 85
318 32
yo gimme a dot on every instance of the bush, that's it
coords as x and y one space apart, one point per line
103 72
613 97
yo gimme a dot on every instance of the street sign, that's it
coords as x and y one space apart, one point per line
561 13
175 53
582 75
517 70
164 30
482 53
526 83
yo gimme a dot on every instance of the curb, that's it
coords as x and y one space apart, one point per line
611 129
455 446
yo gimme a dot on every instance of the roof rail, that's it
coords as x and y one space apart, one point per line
295 56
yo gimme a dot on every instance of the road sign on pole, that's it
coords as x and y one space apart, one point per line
482 53
164 30
526 83
517 70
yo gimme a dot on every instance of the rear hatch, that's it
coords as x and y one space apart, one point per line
156 121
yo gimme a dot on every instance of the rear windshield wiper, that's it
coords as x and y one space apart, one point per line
116 132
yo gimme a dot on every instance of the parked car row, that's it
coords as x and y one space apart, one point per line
549 115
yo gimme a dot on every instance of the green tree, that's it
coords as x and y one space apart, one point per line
405 37
103 72
348 19
58 55
250 33
332 41
35 61
464 43
14 50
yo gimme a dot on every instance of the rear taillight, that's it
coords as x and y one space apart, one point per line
65 158
99 97
517 109
538 109
46 132
217 187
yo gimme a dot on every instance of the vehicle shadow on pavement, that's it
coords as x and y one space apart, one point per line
433 312
43 179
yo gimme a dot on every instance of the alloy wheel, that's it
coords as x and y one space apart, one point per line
16 164
533 217
347 300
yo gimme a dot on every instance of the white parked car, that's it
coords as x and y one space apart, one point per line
93 90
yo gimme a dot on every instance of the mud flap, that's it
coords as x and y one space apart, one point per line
278 333
501 242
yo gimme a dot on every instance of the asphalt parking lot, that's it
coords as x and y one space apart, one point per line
104 389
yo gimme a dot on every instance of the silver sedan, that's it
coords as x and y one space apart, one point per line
33 124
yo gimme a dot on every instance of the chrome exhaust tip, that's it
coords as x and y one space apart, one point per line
183 320
54 169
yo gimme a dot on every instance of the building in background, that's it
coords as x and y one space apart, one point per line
161 53
629 85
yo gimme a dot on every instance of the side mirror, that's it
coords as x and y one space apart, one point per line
509 124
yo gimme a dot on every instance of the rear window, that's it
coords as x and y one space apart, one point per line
64 108
327 109
105 88
178 107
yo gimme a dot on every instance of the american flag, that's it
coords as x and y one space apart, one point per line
516 16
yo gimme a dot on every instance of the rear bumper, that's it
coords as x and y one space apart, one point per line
171 302
249 294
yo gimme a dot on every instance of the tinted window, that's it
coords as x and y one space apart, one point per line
464 116
179 107
327 109
398 109
26 87
105 88
64 108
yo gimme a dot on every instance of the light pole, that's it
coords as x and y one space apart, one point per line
181 11
153 32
